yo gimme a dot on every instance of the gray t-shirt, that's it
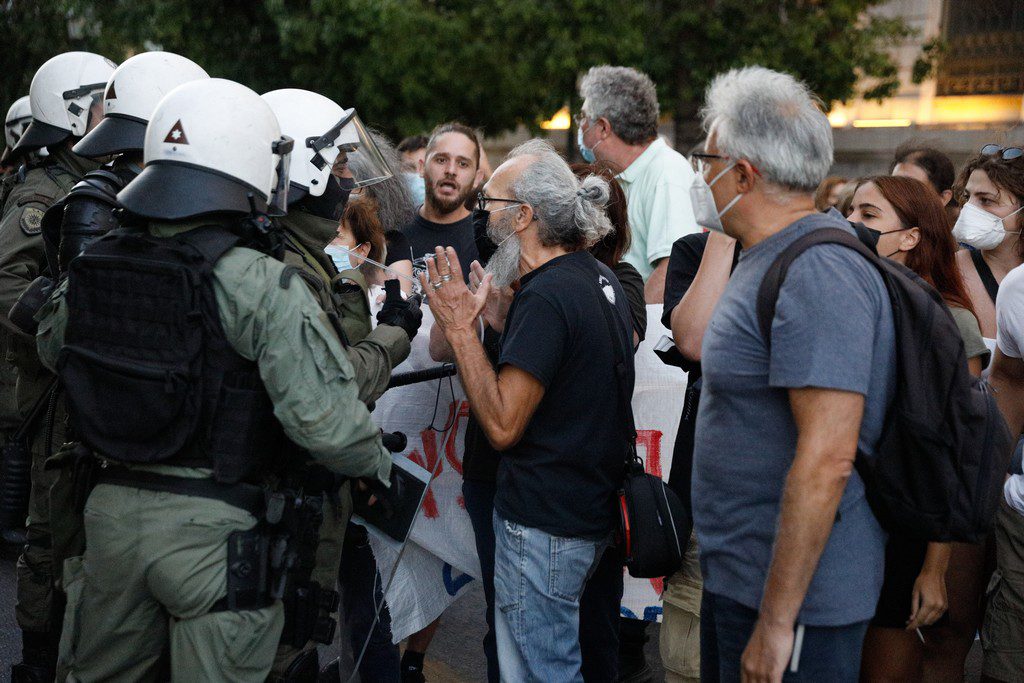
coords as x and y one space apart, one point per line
833 329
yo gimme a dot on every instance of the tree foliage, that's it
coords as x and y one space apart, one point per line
408 64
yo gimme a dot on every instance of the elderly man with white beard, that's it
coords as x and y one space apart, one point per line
551 406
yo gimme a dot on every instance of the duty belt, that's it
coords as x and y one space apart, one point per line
247 497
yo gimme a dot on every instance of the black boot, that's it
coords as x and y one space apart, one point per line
38 659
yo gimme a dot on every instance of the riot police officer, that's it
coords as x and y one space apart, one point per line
64 102
86 213
17 120
324 132
186 355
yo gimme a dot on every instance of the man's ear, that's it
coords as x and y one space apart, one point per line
478 179
420 164
524 217
946 196
747 176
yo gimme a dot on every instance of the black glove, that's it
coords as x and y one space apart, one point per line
22 313
399 312
387 498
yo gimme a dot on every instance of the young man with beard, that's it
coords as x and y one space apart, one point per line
451 174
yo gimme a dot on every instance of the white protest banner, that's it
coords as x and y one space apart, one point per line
440 559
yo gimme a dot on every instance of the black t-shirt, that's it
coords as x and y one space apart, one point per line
633 286
562 476
424 235
480 460
398 247
687 252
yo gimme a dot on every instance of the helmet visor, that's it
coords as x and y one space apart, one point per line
349 136
278 203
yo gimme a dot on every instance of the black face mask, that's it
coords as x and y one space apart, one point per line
877 235
485 246
331 204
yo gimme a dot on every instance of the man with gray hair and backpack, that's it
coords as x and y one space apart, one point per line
791 553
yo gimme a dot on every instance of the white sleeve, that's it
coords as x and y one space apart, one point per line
1013 492
1010 314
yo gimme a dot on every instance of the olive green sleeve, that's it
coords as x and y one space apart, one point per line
375 357
21 250
970 331
53 320
276 322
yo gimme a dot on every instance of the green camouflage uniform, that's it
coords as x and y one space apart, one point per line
372 352
156 562
21 260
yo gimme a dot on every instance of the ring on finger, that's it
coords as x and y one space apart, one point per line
436 285
447 277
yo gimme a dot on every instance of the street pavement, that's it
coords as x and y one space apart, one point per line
455 656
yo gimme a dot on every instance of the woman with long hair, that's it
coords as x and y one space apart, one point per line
911 637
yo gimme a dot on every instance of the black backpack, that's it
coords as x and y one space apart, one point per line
938 471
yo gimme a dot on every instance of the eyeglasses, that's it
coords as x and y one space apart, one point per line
700 160
1008 153
481 201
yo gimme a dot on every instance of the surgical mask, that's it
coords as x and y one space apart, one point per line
341 256
586 152
877 235
980 228
415 184
705 211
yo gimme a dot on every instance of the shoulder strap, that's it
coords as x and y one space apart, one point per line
620 368
768 293
985 273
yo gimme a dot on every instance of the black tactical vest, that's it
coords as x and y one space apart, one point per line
149 374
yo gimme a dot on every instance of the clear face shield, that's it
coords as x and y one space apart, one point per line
277 205
81 100
347 137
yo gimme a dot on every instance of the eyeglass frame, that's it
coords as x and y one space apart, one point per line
1002 151
482 199
701 166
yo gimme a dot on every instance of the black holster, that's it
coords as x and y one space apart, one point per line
308 606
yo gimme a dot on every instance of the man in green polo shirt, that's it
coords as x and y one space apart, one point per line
618 126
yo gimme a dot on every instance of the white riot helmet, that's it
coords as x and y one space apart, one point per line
212 146
322 131
130 97
18 118
61 94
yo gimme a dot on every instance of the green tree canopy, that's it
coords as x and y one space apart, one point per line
409 64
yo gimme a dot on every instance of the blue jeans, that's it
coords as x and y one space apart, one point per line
829 653
538 580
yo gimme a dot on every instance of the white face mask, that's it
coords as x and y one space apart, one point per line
981 229
704 208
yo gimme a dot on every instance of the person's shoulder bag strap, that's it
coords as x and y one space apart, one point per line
625 400
985 273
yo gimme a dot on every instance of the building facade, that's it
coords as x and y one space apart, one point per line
975 95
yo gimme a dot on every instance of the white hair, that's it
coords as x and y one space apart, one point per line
570 212
773 121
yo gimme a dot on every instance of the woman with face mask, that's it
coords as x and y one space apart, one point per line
991 190
922 579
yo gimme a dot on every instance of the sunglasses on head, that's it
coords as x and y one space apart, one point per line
1008 153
